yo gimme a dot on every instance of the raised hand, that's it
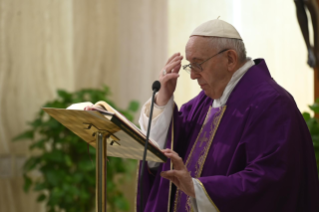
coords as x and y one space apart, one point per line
180 175
168 80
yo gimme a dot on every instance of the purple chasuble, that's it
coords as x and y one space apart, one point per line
196 158
259 157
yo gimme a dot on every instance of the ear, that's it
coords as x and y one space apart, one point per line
232 60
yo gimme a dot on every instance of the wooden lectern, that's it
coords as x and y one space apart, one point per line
111 136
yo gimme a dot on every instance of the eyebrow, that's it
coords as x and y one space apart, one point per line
198 59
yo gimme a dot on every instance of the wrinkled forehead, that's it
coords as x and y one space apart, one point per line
199 48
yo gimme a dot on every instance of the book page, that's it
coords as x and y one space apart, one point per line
102 104
79 106
111 109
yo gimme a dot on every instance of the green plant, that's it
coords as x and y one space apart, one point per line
313 125
67 179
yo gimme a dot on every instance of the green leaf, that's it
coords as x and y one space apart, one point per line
133 106
54 156
314 108
106 90
53 177
36 123
85 165
315 140
41 198
68 160
39 144
31 163
306 116
40 186
27 183
77 177
122 203
27 135
64 94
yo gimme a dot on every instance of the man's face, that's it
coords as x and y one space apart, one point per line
214 75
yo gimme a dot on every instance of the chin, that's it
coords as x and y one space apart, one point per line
207 93
210 95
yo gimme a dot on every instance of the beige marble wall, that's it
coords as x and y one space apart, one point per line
51 44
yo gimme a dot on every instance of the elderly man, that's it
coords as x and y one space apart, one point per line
240 145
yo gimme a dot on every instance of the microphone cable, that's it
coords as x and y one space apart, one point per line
155 87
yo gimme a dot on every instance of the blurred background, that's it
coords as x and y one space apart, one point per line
47 45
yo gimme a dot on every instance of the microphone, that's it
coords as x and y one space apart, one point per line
155 87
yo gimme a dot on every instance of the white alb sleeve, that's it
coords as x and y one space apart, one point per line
201 203
162 116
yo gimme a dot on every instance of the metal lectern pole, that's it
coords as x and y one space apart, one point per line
101 153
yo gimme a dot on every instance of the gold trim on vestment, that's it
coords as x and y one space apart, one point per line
202 158
218 118
177 190
211 201
198 136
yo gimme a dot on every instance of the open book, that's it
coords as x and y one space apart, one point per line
125 139
109 112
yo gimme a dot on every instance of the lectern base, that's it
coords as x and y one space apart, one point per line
101 153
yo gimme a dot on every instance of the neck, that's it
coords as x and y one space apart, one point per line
238 74
219 92
240 64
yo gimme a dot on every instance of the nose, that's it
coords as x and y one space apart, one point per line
194 75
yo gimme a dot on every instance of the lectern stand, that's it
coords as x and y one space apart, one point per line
111 136
101 165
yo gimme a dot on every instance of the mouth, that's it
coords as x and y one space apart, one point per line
202 85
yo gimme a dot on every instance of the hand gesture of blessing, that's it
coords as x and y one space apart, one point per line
168 79
180 175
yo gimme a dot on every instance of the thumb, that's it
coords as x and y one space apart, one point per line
170 175
166 174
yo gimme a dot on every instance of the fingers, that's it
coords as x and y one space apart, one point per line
174 176
168 174
88 107
180 175
177 58
177 68
173 65
174 62
169 77
173 57
171 175
176 159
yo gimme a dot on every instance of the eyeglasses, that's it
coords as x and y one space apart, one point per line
198 67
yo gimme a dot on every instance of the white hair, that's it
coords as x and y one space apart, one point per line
229 43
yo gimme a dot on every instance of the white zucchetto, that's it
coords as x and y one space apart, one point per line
217 28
